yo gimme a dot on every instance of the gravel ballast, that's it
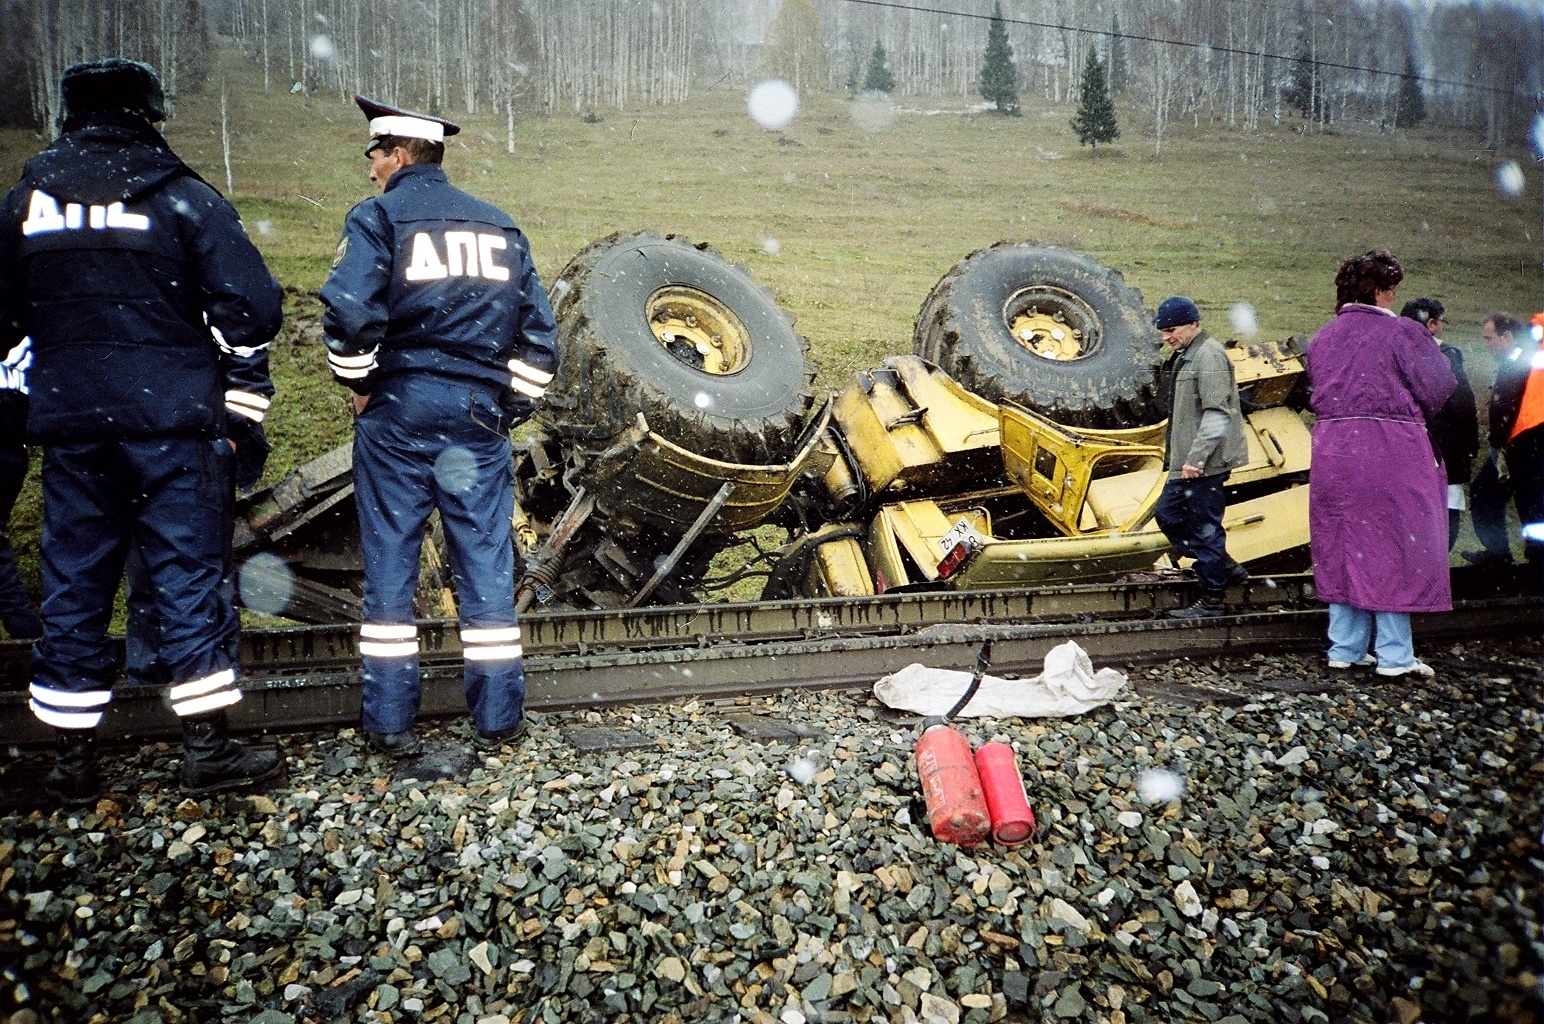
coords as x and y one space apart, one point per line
1341 849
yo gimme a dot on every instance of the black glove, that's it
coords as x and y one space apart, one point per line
517 407
252 450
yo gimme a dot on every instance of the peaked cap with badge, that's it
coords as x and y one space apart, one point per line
388 120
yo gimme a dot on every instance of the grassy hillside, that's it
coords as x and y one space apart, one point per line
851 230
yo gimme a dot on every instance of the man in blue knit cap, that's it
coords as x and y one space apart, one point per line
1205 442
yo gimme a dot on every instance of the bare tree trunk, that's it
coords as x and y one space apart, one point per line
225 138
265 44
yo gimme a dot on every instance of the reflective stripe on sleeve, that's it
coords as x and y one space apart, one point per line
245 403
521 368
13 368
527 389
527 379
352 367
241 351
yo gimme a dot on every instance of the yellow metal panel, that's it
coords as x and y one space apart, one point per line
1115 500
919 525
884 553
1272 367
1267 525
1055 465
839 570
883 430
1054 560
957 420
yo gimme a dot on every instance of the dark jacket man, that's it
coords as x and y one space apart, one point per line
1205 442
1512 469
1455 430
140 292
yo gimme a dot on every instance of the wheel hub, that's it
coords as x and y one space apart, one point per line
1047 336
1051 323
699 330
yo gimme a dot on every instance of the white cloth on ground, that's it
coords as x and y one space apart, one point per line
1068 686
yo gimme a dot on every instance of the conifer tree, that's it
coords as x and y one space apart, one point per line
1305 92
999 81
1410 109
1095 120
878 78
1119 71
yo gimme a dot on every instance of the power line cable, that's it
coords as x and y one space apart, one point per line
1183 43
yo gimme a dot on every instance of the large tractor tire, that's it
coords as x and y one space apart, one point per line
1048 329
661 326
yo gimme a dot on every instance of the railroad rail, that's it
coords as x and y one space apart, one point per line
307 677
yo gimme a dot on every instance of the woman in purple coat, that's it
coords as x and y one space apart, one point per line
1377 500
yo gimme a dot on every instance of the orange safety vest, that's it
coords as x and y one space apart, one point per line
1530 413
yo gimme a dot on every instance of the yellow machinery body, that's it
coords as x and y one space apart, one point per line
938 462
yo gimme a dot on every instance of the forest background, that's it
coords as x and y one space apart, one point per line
1262 142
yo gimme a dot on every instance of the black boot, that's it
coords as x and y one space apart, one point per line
212 761
76 779
1209 606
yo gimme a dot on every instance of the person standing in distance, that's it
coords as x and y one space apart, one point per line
1455 431
436 320
134 280
1499 480
1205 443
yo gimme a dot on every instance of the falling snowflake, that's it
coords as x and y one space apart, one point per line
1242 317
1160 786
1510 180
773 103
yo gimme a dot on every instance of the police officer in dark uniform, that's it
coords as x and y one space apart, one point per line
438 323
18 614
135 281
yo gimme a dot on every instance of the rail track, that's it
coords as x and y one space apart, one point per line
306 677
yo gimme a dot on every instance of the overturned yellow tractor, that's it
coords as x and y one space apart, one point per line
1020 445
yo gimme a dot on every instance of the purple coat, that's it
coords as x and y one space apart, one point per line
1377 498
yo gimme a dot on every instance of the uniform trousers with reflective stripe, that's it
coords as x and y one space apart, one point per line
170 497
425 443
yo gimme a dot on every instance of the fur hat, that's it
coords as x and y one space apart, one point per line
1175 311
113 84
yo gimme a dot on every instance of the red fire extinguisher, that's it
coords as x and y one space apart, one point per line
970 795
1012 820
956 806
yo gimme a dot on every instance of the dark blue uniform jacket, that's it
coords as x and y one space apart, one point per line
146 302
431 280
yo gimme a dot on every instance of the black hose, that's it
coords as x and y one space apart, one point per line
983 662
